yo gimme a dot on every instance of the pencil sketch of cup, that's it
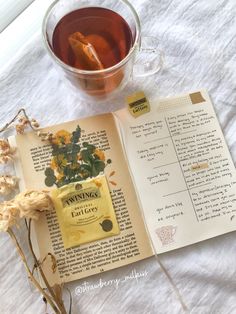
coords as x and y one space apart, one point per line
166 234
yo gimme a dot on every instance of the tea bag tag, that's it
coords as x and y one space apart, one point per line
138 104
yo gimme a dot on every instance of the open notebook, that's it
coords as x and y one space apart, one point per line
171 179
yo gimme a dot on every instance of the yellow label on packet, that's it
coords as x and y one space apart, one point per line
138 104
85 211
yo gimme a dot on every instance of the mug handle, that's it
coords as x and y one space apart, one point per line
149 59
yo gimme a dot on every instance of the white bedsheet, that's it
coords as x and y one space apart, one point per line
199 41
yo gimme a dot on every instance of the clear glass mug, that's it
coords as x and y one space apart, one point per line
100 84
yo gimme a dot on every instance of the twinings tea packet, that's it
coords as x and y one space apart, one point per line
138 104
85 211
84 52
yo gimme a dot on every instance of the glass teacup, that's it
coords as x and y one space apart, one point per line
103 81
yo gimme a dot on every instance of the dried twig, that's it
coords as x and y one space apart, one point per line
38 265
32 278
22 110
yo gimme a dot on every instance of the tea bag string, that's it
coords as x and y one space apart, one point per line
162 267
175 288
165 271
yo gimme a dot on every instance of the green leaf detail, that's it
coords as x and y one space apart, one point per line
76 148
48 172
62 182
95 172
86 156
91 148
85 167
75 138
79 178
100 165
50 180
69 147
74 169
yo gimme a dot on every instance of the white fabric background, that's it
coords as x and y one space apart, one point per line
199 41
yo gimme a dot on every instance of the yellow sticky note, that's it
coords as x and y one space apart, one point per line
85 211
201 166
138 104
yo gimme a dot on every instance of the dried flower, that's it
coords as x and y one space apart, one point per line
112 174
31 203
100 154
28 204
35 123
4 145
45 136
20 129
9 214
62 137
23 120
23 123
7 184
53 261
6 152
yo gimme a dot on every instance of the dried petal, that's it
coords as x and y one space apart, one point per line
35 124
113 183
31 203
20 129
53 260
45 136
6 152
7 184
54 263
4 145
23 120
4 159
9 214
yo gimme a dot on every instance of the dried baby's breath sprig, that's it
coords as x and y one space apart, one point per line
35 124
23 122
20 129
6 152
8 184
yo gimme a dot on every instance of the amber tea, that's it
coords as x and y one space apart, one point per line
93 47
92 38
